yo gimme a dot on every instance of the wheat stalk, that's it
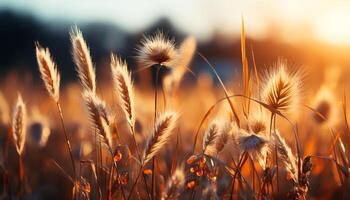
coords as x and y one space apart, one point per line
160 135
82 59
51 78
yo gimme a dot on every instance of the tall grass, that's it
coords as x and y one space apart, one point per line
246 140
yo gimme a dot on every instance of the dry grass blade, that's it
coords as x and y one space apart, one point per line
82 59
48 71
19 125
160 135
124 87
245 70
233 109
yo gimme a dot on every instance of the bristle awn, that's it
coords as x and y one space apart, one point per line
227 97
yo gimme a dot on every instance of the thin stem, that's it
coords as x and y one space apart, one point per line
97 167
253 173
110 183
133 186
139 156
66 138
155 119
236 172
21 175
276 155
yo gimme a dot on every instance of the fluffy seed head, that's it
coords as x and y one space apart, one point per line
48 71
282 89
98 115
124 87
324 105
210 135
19 125
82 60
225 132
251 141
256 145
156 49
160 135
183 59
257 122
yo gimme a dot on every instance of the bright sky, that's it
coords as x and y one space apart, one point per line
328 21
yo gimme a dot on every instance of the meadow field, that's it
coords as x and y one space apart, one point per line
274 131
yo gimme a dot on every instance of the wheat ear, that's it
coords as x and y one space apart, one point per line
160 135
124 88
82 59
48 71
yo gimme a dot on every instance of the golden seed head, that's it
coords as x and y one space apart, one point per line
48 71
156 49
282 89
19 125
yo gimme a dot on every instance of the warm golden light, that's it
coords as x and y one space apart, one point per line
334 26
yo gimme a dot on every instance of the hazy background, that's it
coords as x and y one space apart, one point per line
315 34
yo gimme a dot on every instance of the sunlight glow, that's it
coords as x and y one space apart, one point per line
334 26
